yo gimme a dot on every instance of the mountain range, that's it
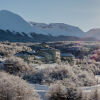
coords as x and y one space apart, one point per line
14 28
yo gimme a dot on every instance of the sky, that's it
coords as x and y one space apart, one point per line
82 13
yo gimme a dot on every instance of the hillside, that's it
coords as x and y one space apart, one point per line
15 29
94 33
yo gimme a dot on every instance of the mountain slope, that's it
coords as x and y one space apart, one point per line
17 37
94 33
57 29
13 22
15 29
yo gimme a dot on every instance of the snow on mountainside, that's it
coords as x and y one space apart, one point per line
57 29
94 33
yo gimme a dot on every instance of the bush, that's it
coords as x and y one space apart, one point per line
60 72
8 49
14 88
51 75
92 95
60 92
74 74
86 78
17 66
36 77
63 73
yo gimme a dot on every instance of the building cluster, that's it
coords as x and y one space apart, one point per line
48 53
53 53
41 53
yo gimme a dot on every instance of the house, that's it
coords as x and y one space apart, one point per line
67 57
44 45
39 46
27 56
50 55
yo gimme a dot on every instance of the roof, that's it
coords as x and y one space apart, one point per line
39 57
66 55
23 53
74 48
49 49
